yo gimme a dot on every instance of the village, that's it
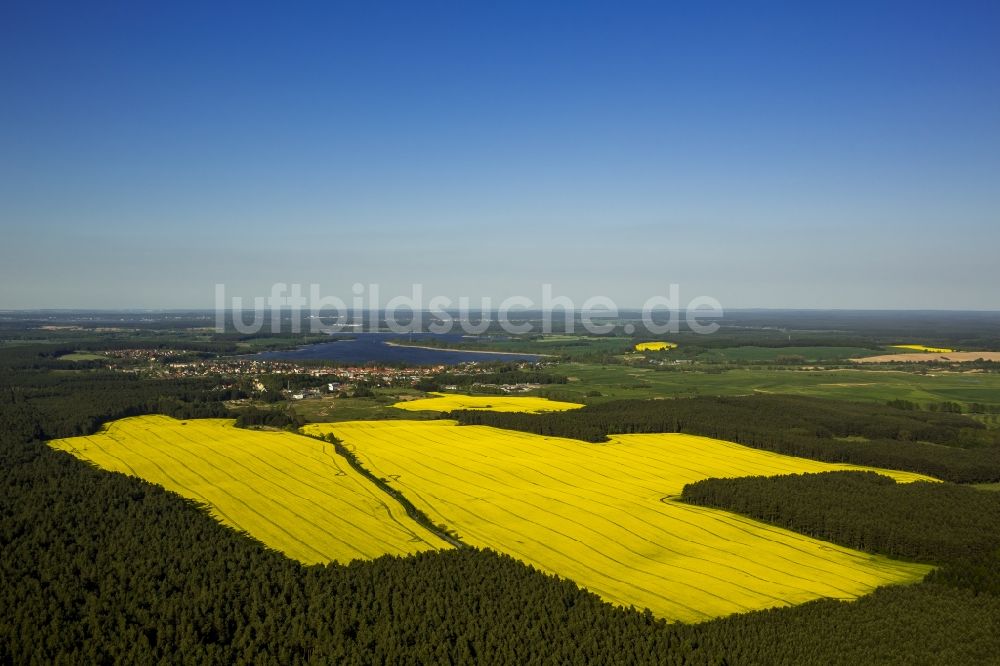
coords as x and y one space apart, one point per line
297 381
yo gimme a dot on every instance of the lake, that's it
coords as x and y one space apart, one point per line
366 348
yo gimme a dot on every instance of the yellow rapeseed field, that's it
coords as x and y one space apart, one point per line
655 346
922 348
446 402
604 515
293 493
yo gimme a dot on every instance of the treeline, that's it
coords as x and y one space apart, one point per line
502 375
285 419
71 404
948 406
442 531
939 523
927 522
956 330
948 446
42 346
47 356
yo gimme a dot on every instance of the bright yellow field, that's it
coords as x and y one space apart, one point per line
655 346
446 402
293 493
921 348
603 515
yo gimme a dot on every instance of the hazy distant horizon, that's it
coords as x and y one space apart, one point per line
624 310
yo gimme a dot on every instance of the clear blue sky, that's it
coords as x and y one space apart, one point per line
767 154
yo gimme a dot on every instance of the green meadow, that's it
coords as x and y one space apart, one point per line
623 381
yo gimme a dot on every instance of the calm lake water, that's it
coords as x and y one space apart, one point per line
363 348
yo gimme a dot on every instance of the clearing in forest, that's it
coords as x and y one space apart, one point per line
655 346
292 492
923 348
604 515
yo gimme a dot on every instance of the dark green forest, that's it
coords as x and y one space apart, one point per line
104 568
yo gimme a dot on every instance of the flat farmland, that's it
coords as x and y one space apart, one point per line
655 346
291 492
810 354
604 515
924 348
935 357
858 384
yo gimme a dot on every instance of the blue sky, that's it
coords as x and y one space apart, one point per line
766 154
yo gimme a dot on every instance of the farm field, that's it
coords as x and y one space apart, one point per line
860 384
655 346
603 515
919 357
446 402
291 492
924 348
